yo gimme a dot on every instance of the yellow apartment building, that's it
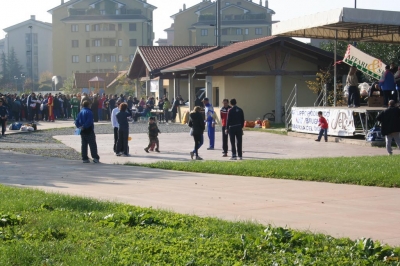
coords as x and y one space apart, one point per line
92 36
241 20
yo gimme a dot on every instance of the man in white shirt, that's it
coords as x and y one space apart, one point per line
114 122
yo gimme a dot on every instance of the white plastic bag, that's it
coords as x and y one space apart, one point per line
77 131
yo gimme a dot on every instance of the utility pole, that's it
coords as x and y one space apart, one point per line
33 79
355 3
218 4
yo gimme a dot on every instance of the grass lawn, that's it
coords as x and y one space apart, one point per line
275 129
367 171
38 228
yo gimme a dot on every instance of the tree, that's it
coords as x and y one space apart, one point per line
4 73
69 86
11 67
45 82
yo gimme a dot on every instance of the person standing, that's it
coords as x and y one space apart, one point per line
166 107
123 130
50 104
31 103
115 125
75 106
3 117
209 120
324 127
224 115
84 121
234 126
196 122
354 92
388 85
175 106
100 106
390 125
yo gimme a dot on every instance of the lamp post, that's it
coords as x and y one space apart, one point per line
98 60
16 82
355 3
30 27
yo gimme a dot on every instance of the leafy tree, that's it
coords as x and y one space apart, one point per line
4 68
11 67
69 86
45 82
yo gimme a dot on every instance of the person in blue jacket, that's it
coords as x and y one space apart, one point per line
3 117
209 113
388 86
85 122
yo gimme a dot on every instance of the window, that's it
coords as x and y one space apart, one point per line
75 59
75 43
224 32
131 57
113 58
117 12
246 31
258 31
87 43
239 32
120 58
96 43
87 27
96 27
102 12
132 42
88 59
96 58
132 26
74 28
119 27
204 44
119 42
204 32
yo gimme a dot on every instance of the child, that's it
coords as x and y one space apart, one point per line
324 127
153 133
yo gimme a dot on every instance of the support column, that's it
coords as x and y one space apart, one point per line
147 87
138 88
191 92
278 99
209 89
160 88
176 88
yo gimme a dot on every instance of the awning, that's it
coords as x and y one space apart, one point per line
349 24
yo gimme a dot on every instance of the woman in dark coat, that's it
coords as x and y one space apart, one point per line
94 108
196 122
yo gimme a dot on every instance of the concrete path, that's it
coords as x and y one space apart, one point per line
257 145
337 210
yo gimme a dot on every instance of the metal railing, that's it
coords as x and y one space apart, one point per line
291 102
322 98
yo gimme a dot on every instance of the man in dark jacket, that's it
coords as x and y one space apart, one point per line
85 122
390 121
196 122
3 117
234 125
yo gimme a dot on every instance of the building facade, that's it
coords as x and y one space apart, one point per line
99 36
241 20
28 36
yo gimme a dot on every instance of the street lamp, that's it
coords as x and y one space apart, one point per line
16 82
30 27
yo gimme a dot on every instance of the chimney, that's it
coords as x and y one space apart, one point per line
180 10
266 3
260 2
33 17
62 2
184 6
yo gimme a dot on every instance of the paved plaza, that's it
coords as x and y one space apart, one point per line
334 209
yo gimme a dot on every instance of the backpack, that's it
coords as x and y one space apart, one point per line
15 126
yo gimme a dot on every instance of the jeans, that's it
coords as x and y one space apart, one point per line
323 131
388 138
354 96
198 142
100 113
211 133
224 140
236 136
115 139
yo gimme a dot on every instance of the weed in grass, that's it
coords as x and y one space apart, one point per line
52 229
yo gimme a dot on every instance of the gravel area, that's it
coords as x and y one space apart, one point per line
43 137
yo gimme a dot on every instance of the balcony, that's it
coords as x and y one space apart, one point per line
103 50
244 17
103 34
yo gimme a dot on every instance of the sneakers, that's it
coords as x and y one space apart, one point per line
191 155
157 150
119 154
240 158
210 148
233 159
96 161
86 161
199 158
224 155
125 155
317 140
146 150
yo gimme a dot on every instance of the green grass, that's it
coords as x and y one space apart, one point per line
38 228
367 171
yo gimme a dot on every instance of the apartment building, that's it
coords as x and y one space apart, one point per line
241 20
99 36
25 37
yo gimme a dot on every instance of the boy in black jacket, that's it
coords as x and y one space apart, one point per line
153 135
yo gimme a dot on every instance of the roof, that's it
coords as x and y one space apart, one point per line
217 55
348 23
103 17
189 8
99 1
233 22
250 2
96 78
72 2
29 22
82 79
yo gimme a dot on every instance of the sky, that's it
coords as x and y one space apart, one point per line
16 11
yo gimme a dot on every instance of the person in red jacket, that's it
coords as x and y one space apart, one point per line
50 105
324 127
224 115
